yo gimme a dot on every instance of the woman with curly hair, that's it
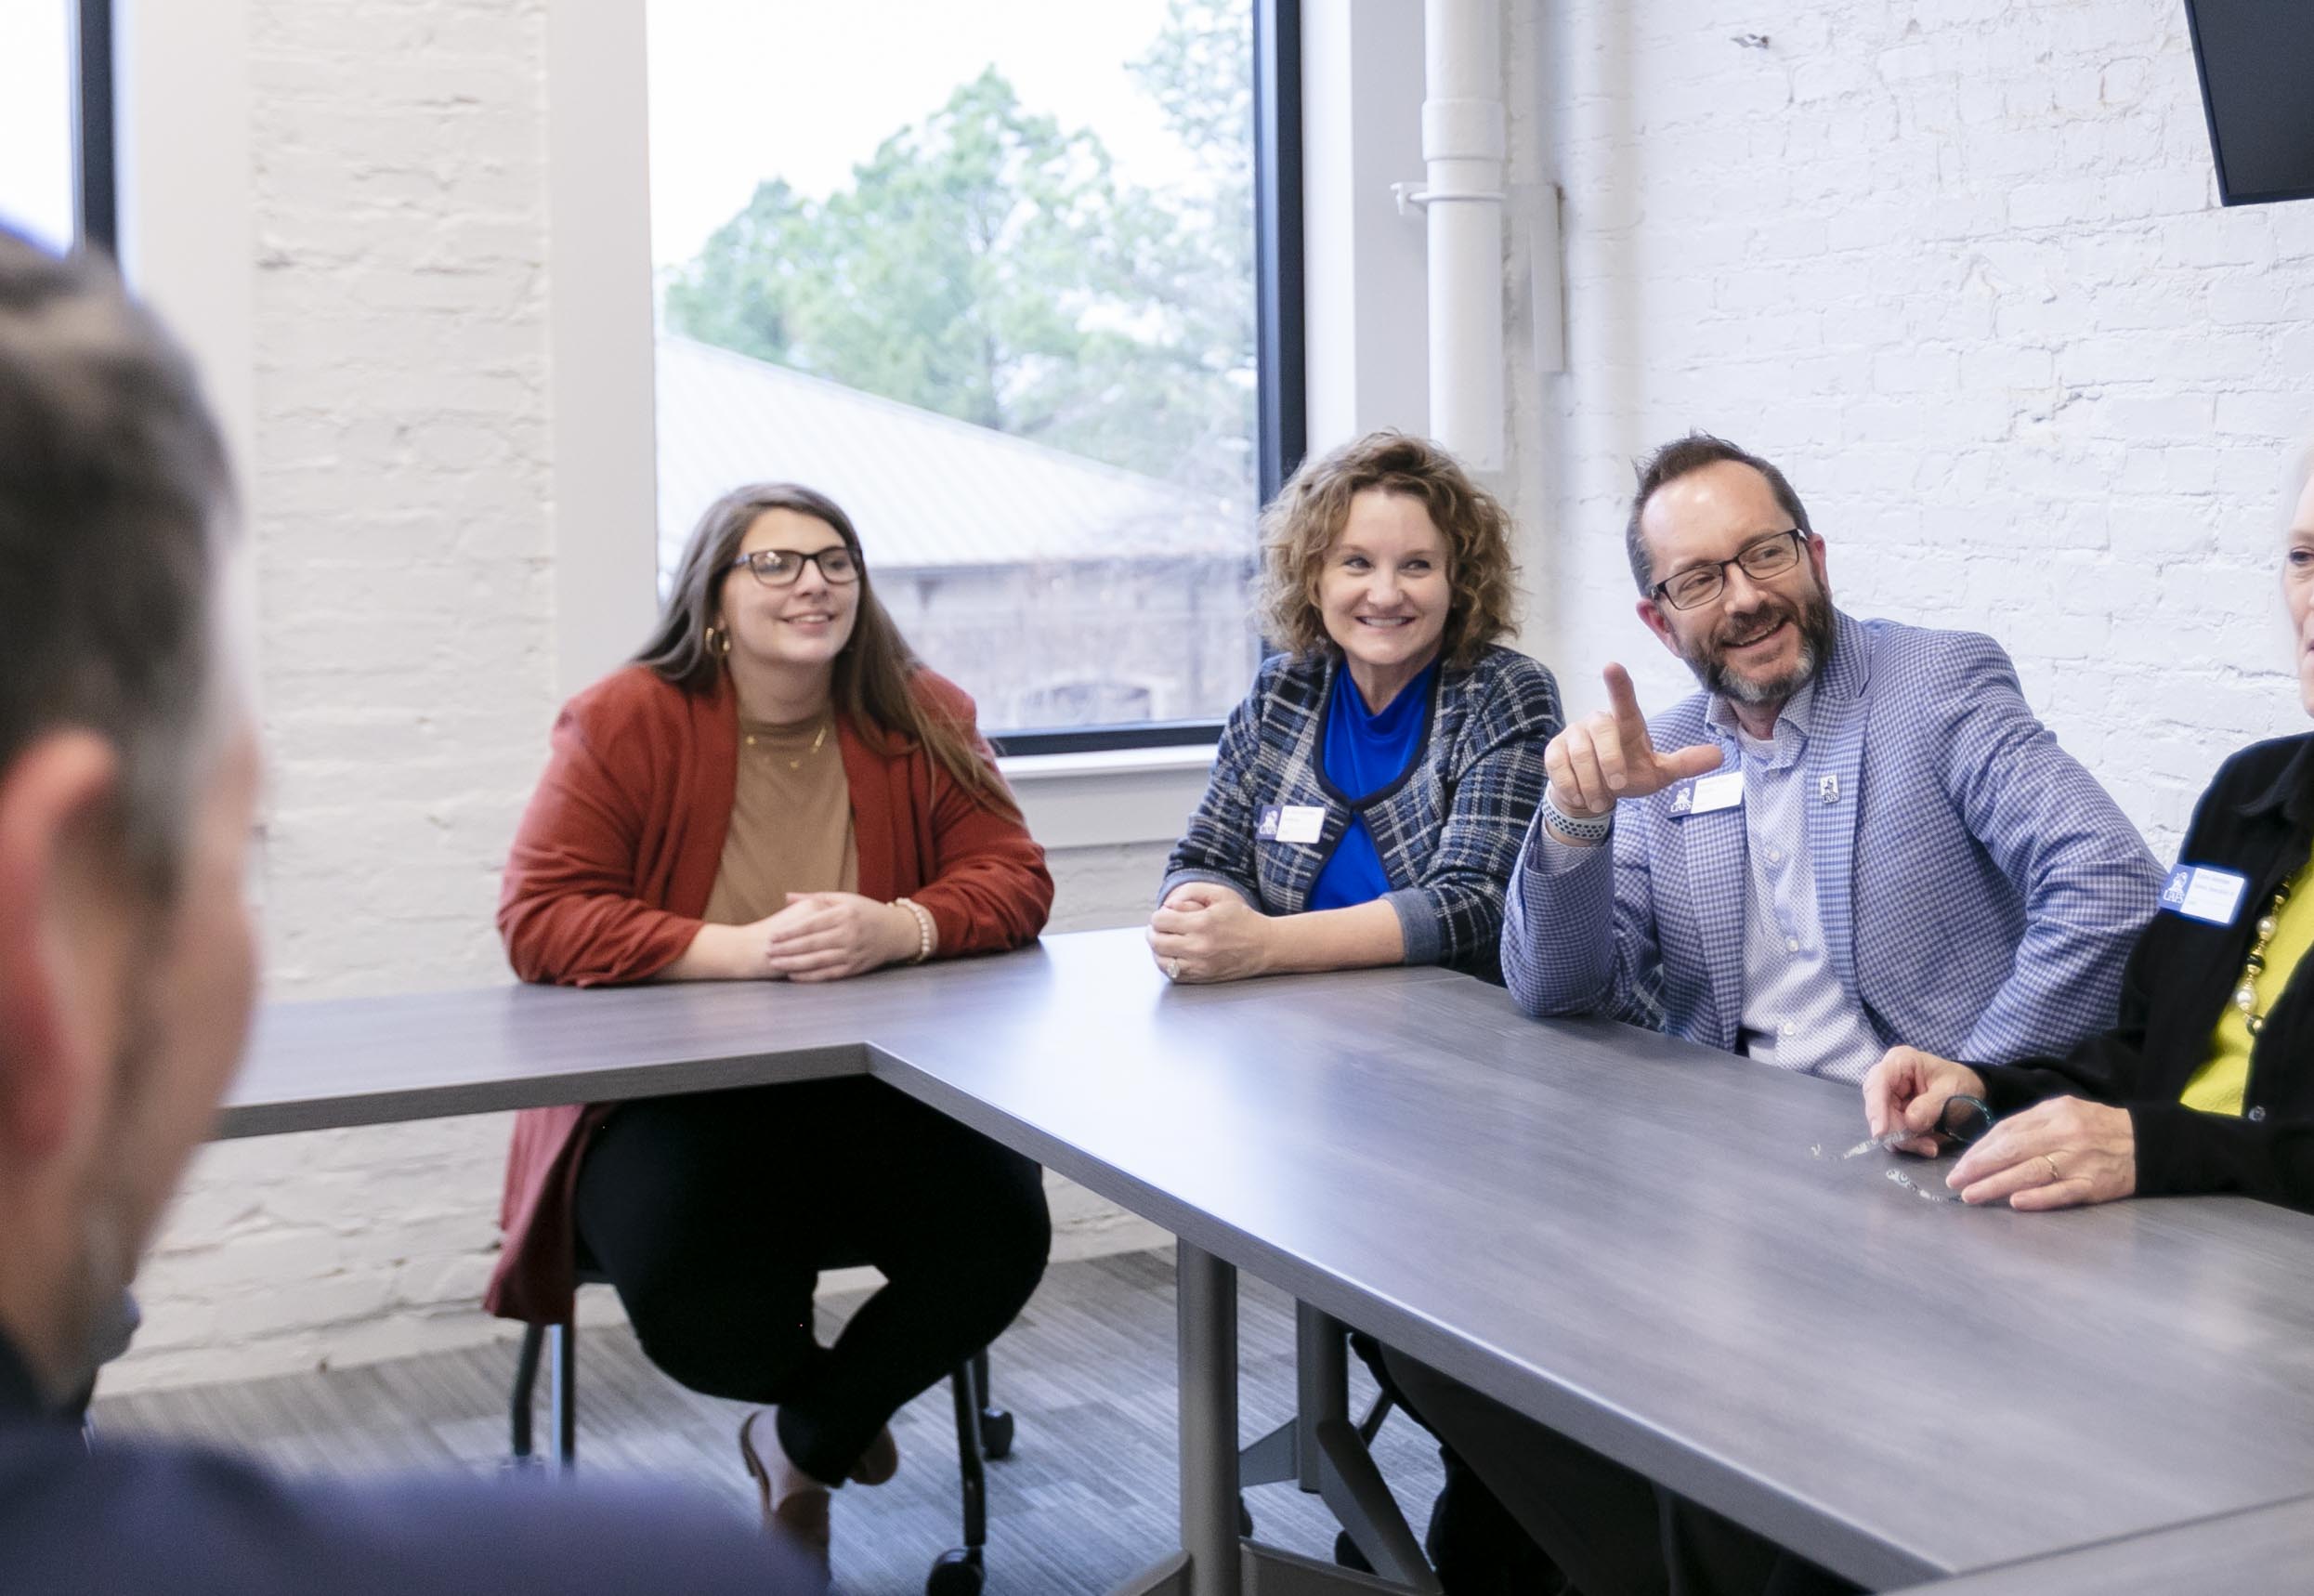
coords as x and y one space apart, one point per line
1370 794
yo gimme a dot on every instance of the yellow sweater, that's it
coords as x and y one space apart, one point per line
2218 1085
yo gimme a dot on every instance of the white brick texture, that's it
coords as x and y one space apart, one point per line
1960 269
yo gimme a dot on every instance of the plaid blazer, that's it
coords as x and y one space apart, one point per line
1447 830
1978 890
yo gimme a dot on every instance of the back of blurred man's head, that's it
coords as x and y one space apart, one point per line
128 778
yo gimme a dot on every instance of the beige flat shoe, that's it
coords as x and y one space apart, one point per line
794 1503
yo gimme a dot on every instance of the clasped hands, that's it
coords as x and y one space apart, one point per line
827 936
2062 1153
1205 932
1608 755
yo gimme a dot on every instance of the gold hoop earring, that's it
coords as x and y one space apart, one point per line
718 642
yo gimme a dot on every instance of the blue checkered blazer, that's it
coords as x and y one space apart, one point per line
1447 833
1978 890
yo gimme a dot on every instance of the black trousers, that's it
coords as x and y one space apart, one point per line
714 1215
1611 1530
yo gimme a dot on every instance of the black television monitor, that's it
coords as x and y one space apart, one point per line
2256 61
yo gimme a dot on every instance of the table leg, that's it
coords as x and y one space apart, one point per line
1213 1561
1321 1392
1205 1305
1205 1296
1322 1383
1353 1487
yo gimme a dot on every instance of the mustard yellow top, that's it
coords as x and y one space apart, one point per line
2218 1086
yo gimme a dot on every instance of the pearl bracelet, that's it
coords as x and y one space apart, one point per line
924 927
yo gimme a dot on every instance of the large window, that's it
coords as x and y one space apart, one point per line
56 120
36 121
992 277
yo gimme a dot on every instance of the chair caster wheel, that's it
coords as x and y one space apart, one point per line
996 1433
956 1572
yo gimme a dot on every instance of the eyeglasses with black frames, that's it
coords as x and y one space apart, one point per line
780 568
1763 560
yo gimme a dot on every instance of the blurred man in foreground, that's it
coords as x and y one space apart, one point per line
128 784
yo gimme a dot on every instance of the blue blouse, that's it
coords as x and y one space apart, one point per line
1367 752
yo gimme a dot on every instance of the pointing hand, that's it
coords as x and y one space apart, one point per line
1608 755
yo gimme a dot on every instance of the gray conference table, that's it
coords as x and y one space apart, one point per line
2265 1551
1655 1247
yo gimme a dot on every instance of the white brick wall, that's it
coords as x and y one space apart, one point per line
397 508
1959 267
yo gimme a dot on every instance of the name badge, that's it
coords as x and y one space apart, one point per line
1291 823
1706 793
2204 893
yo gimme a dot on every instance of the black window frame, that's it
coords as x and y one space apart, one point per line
1281 419
95 189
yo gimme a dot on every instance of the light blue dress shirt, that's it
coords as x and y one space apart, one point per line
1795 1015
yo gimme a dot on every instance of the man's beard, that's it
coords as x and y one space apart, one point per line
1811 616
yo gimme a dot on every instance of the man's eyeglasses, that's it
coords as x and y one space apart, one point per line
1763 560
780 568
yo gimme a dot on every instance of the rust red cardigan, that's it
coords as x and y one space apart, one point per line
618 852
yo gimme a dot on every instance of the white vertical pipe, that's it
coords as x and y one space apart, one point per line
600 353
1463 145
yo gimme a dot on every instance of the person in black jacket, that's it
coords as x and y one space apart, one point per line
2206 1084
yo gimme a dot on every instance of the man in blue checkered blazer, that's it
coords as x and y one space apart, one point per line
1858 835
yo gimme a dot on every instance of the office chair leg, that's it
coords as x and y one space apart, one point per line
526 1386
958 1571
996 1424
563 1392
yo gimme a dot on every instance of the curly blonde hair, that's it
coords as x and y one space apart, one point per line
1302 523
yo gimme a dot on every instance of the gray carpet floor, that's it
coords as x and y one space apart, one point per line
1086 1499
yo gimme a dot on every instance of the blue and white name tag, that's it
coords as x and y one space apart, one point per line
1291 823
1706 793
2204 893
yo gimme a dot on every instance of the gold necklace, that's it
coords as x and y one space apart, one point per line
2246 993
821 737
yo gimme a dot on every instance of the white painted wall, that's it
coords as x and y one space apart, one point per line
1961 271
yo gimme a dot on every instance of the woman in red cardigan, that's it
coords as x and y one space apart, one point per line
774 790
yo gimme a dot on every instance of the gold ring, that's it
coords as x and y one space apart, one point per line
2051 1160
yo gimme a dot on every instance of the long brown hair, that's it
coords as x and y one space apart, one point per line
872 683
